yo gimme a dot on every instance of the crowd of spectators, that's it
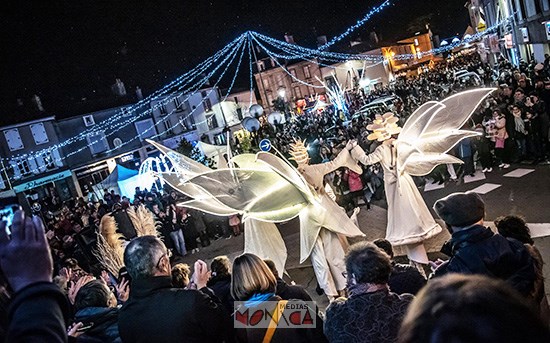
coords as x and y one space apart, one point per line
490 288
56 289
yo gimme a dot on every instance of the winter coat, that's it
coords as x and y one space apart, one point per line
354 181
105 324
477 250
156 312
221 286
287 292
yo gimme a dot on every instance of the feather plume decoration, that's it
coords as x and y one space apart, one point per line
110 245
299 153
144 221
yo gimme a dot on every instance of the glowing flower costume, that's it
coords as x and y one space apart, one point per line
429 133
267 188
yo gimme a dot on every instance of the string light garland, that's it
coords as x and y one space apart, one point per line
187 83
196 86
99 127
359 23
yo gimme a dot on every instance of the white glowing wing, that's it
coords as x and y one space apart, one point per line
434 129
258 194
181 163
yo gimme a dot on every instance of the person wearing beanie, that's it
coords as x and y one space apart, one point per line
475 249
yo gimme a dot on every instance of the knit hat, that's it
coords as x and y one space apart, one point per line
460 209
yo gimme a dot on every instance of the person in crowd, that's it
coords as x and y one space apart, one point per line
253 284
475 249
284 290
220 280
187 226
372 313
38 310
180 275
501 140
96 308
156 312
515 227
471 309
404 278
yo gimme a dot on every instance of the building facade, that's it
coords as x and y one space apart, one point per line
32 164
527 34
293 82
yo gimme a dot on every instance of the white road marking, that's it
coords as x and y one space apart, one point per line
519 172
431 186
478 176
485 188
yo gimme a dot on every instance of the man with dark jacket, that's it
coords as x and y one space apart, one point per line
475 249
156 312
95 306
284 290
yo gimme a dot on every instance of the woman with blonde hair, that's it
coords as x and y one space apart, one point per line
253 286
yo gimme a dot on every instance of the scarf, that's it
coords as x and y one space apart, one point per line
520 126
258 298
363 288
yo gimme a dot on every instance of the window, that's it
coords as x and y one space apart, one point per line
240 113
212 122
145 128
39 133
178 104
162 110
298 92
168 127
416 42
117 142
266 83
204 94
307 73
22 167
14 139
261 66
220 139
97 142
88 120
45 161
293 72
236 100
207 105
545 5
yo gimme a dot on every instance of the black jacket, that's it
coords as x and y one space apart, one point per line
405 278
287 292
478 250
38 313
221 286
105 324
156 312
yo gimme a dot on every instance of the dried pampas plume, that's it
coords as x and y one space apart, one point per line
144 221
110 245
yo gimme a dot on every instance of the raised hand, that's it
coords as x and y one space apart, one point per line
76 286
123 290
25 255
201 274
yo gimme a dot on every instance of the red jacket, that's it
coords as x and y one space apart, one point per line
354 181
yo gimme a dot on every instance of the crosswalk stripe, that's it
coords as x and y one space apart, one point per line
519 172
485 188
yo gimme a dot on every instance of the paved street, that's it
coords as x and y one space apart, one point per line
522 190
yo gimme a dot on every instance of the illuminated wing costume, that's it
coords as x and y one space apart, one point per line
266 188
429 133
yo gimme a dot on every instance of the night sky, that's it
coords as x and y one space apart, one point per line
68 50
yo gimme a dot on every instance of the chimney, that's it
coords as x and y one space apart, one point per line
289 39
118 88
139 94
321 40
37 103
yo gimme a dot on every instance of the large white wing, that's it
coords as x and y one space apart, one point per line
434 128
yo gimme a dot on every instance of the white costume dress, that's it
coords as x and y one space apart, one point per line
409 220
